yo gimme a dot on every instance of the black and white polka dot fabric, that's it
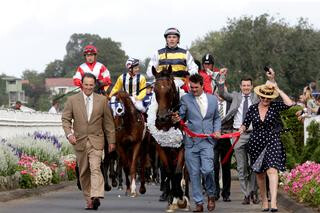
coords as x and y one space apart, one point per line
266 134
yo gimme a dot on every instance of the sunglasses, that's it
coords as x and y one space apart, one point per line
265 98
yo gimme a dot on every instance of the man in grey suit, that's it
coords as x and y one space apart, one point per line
200 111
240 103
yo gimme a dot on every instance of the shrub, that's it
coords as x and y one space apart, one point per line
312 149
292 139
303 183
8 161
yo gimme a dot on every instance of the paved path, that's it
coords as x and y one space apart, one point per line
69 200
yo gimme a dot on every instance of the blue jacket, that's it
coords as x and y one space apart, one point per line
190 112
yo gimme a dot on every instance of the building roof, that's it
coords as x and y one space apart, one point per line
8 78
58 82
23 81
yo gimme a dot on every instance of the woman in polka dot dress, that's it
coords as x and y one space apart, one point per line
264 146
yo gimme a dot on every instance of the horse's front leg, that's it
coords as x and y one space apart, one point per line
181 182
113 173
125 162
104 169
143 161
133 168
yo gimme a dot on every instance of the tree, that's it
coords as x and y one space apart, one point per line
35 90
55 69
109 53
3 95
247 44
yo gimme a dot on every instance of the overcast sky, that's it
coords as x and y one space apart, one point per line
35 32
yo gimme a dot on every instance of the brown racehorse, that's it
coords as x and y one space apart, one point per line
167 97
130 126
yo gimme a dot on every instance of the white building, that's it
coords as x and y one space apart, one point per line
59 85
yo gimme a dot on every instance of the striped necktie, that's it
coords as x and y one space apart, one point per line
221 110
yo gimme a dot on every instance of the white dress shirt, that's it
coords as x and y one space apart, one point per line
202 101
90 104
238 117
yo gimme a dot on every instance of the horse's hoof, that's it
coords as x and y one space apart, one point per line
172 208
114 183
107 188
120 188
184 204
142 190
128 192
133 194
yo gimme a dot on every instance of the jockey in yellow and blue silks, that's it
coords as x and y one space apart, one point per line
181 60
132 82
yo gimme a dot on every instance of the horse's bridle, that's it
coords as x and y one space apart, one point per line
120 115
175 105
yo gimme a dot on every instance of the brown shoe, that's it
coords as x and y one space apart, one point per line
211 204
199 208
246 201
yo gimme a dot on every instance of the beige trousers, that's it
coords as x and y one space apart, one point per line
91 178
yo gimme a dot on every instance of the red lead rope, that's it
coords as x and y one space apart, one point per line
200 135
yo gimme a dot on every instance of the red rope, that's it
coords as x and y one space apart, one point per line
201 135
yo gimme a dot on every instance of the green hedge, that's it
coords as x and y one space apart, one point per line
292 139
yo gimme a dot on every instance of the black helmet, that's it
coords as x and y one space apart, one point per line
207 59
172 31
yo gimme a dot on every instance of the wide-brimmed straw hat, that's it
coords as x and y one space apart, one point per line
266 90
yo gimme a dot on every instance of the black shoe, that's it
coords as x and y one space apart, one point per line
226 199
96 203
216 198
163 197
265 210
246 201
254 197
274 210
88 208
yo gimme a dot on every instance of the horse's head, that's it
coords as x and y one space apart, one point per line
123 109
167 97
117 107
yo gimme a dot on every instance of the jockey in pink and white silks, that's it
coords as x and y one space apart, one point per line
92 66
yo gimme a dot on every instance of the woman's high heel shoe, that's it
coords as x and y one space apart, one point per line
274 210
265 210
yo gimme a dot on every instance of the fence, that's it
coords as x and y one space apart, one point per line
17 123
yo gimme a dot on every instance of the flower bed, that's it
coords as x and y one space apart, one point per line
35 160
303 183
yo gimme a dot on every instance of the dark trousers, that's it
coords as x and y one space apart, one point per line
220 152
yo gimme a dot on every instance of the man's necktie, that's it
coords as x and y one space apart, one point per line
130 85
221 110
245 107
201 106
87 106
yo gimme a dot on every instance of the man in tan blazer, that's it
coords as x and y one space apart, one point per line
92 119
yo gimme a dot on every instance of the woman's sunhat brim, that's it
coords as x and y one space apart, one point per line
260 92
